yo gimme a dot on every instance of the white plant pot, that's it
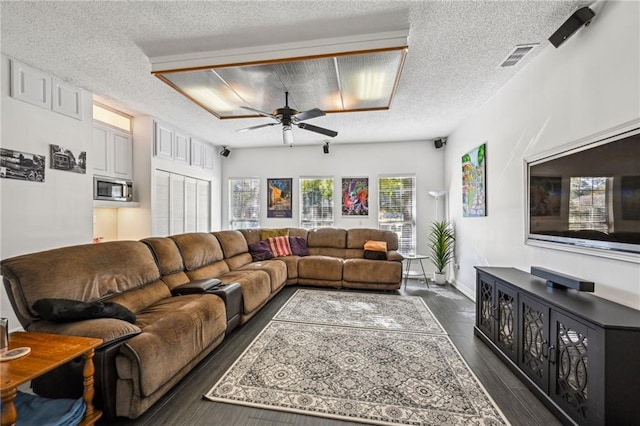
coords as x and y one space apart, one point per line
439 278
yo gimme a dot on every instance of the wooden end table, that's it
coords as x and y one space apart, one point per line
48 351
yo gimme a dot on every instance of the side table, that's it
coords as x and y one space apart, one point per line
48 351
419 258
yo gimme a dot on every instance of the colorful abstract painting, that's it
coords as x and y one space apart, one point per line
279 197
355 196
474 168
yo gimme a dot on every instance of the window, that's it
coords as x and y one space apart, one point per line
588 203
397 209
112 117
316 202
244 203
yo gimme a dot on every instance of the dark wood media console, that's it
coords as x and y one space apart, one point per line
580 354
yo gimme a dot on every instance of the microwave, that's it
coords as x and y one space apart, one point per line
112 189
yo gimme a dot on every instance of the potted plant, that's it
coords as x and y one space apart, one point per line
441 249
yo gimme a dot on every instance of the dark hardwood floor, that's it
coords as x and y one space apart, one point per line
184 405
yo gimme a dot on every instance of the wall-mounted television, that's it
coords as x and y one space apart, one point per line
588 196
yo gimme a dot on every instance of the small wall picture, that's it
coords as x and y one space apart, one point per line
279 196
21 165
355 196
545 195
64 159
474 168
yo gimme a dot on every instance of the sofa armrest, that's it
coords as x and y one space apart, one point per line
110 330
394 255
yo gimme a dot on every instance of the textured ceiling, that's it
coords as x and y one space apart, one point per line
452 66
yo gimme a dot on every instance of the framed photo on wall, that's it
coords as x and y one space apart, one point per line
474 178
21 165
64 159
355 196
279 196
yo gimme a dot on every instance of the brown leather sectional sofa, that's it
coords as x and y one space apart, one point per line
139 362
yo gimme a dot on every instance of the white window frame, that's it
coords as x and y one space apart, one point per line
323 221
238 222
406 244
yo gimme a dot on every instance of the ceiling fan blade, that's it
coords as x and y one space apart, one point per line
307 115
256 127
266 114
317 129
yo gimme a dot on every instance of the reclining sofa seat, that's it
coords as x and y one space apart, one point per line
253 236
204 258
137 363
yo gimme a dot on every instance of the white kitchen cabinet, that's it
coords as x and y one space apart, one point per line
182 148
209 156
66 99
112 152
197 148
30 85
164 141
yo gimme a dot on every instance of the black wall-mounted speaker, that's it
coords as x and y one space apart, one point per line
579 18
439 143
225 151
325 148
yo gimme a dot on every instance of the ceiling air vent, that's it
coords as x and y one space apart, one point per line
517 54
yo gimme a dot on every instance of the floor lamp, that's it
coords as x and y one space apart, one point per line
437 195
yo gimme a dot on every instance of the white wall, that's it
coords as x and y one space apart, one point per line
588 85
357 160
38 216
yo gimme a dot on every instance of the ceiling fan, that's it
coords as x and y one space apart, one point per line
289 117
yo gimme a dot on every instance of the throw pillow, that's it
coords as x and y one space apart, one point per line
376 245
375 255
268 233
66 310
280 246
260 251
298 246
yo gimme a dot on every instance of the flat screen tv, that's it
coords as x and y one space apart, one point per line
588 196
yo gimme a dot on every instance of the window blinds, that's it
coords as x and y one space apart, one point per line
396 209
316 195
244 203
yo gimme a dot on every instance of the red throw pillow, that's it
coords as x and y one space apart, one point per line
280 246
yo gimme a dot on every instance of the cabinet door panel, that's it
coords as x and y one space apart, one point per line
164 139
196 153
485 313
506 300
122 161
182 149
100 151
569 381
534 344
30 85
66 99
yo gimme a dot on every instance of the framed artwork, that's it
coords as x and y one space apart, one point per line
279 197
474 178
630 197
544 196
355 196
21 165
64 159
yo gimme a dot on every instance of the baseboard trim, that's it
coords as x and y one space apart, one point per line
464 290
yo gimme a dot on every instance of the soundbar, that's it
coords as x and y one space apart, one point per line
558 280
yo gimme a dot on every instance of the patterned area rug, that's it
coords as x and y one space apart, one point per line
368 310
369 373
